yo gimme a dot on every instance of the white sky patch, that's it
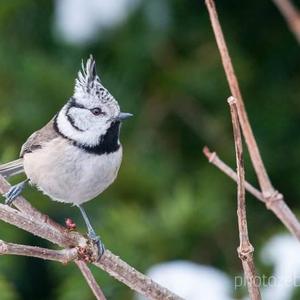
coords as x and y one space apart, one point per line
79 21
282 251
192 281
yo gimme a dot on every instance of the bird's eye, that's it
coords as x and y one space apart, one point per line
97 111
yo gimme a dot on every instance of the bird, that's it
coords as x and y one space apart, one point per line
77 154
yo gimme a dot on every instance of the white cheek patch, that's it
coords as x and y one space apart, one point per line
88 137
79 118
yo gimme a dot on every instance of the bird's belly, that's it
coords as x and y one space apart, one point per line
68 174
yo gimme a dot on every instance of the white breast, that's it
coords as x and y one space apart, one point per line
66 173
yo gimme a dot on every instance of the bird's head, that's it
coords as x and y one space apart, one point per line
91 111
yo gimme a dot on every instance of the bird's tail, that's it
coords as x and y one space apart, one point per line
12 168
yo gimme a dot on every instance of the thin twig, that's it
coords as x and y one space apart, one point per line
244 240
279 207
42 226
214 159
291 14
86 272
64 256
245 250
264 181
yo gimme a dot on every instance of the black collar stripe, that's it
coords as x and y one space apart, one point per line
108 143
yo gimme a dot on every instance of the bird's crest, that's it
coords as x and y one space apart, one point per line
88 81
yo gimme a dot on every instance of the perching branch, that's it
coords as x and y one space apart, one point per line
31 220
245 250
291 15
273 199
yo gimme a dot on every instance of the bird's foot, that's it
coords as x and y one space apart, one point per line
14 192
95 239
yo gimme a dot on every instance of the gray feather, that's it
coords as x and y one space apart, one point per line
35 141
39 138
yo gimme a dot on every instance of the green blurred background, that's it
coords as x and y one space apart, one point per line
161 63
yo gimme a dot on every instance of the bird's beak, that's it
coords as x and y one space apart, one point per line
123 116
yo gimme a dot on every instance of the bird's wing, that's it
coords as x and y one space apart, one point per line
40 137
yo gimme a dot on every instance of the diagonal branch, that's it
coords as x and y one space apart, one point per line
29 219
291 14
257 162
39 223
245 250
36 227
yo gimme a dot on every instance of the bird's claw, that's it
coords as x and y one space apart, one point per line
97 241
14 192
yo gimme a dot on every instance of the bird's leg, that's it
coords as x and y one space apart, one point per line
14 192
91 232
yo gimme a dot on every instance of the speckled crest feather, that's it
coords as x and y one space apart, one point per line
88 82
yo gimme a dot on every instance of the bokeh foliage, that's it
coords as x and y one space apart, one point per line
167 202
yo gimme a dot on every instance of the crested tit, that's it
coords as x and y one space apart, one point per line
77 155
